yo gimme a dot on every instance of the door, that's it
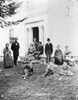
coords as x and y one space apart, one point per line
36 33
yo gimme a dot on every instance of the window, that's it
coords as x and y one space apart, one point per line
67 11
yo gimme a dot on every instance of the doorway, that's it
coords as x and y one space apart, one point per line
36 33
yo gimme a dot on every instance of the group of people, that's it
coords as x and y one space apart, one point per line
67 57
65 60
34 51
8 61
59 57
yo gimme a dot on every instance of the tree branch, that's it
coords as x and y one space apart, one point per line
3 23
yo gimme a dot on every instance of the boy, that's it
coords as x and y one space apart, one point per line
27 71
49 69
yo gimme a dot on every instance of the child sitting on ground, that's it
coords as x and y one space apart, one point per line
27 71
49 69
68 57
65 70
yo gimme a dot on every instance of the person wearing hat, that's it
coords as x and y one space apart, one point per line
48 50
15 48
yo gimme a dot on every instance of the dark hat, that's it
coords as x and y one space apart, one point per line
48 39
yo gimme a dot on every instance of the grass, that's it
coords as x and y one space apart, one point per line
53 87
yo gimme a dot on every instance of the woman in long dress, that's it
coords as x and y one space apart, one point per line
7 57
58 56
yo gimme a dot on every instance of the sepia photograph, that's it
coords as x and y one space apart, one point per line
38 49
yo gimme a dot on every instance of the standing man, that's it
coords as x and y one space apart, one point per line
15 48
48 50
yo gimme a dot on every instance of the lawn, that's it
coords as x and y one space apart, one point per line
53 87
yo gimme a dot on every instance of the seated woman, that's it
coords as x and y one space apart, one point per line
67 52
31 52
68 57
39 51
58 56
8 62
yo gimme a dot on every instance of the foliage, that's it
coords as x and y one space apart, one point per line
8 9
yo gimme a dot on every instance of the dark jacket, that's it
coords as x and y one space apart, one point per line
40 49
48 48
15 48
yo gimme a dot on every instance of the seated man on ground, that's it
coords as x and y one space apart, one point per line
28 70
49 69
64 71
58 56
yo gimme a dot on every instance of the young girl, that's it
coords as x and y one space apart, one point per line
65 70
68 57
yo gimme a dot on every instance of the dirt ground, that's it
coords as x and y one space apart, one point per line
53 87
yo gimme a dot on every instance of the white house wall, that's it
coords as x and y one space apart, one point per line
37 17
19 31
35 7
63 27
52 19
36 13
4 38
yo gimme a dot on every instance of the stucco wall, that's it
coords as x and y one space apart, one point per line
4 38
63 27
19 31
58 25
34 7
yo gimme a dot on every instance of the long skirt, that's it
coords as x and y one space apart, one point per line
8 62
58 61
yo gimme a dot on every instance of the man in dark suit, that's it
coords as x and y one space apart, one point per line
48 50
15 48
39 50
